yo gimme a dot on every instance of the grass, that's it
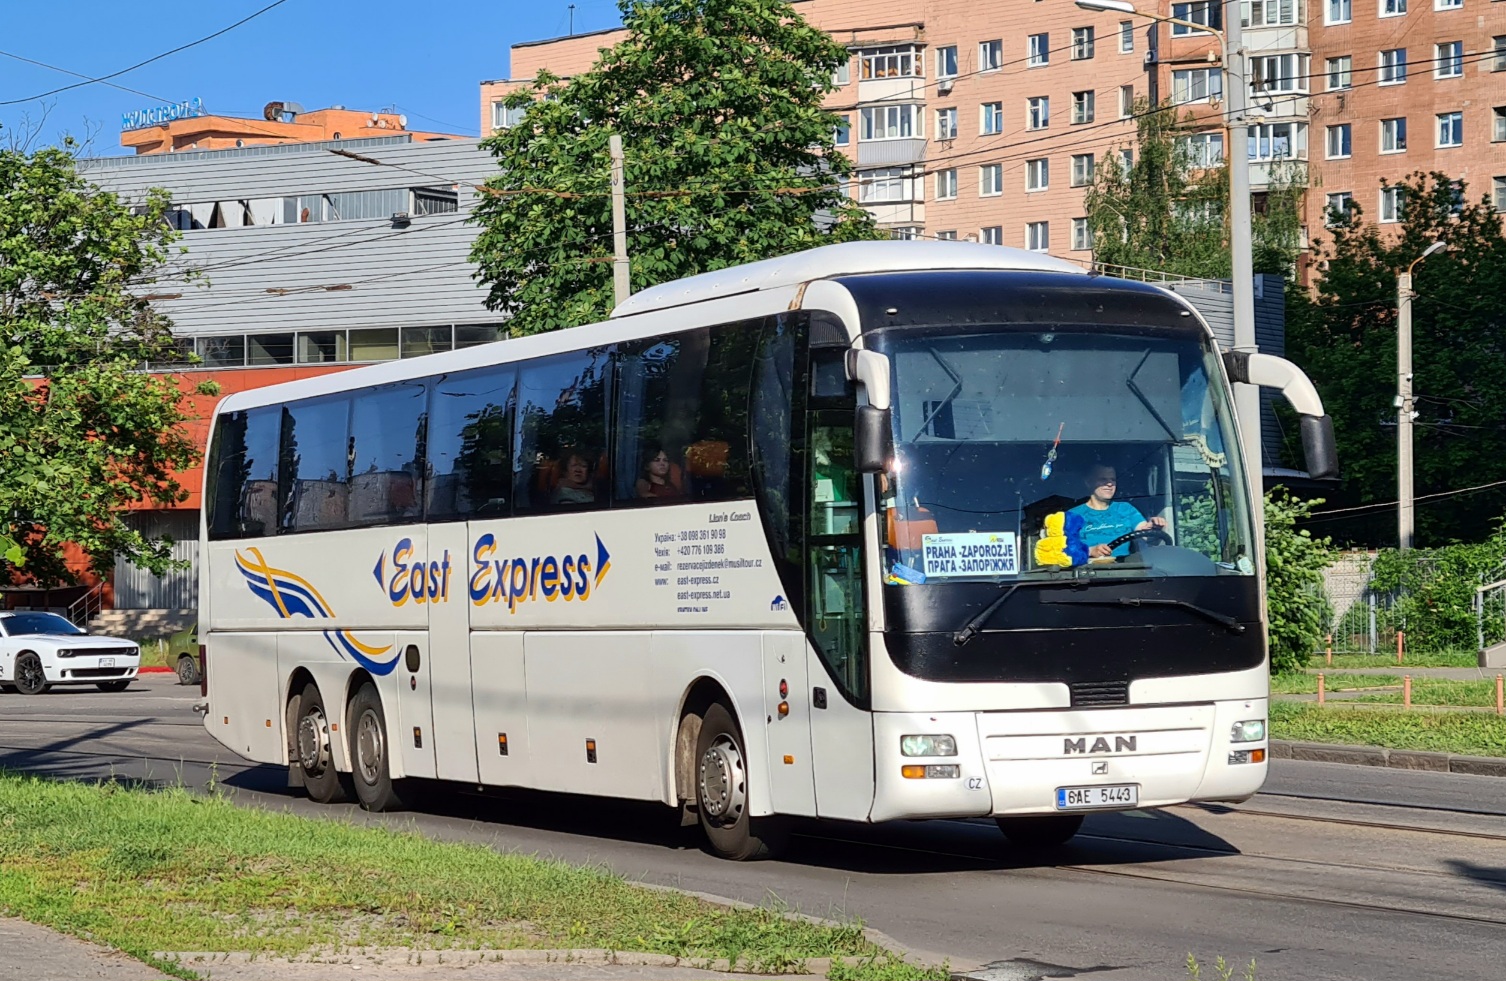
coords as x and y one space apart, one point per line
1441 691
1467 733
1414 659
1294 683
166 870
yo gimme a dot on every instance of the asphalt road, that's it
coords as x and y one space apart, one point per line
1334 872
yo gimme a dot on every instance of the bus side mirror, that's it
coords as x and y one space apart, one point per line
873 443
1318 447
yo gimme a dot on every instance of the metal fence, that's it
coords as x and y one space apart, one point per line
1361 619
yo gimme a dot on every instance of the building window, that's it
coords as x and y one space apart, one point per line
896 61
1450 129
1203 149
1196 85
1448 4
1082 235
946 61
891 122
1390 204
1340 73
1038 236
1083 106
842 135
843 75
1498 192
1338 141
1038 112
1280 73
946 123
1082 169
990 180
990 118
1498 124
1126 160
1269 13
1037 50
950 235
1393 8
905 233
1038 174
1338 207
1126 37
1082 43
1205 12
1338 11
992 235
506 118
946 184
884 184
1126 101
1278 141
1498 48
990 55
1393 135
1393 66
1448 59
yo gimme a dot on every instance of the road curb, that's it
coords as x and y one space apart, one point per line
379 957
1395 759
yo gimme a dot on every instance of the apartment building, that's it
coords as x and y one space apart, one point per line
988 121
190 126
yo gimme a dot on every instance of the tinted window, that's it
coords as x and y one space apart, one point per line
39 623
243 466
777 437
469 442
682 417
386 437
562 427
315 465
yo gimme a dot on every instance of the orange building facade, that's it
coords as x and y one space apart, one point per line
281 123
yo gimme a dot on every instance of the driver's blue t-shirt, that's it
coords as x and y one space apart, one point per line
1102 527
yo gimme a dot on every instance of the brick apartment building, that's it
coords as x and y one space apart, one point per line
987 121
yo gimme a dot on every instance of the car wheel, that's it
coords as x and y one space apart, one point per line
30 678
371 754
120 685
188 670
312 749
1046 831
722 792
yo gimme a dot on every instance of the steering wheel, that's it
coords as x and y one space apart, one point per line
1156 535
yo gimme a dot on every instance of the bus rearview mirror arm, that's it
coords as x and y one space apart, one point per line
1318 446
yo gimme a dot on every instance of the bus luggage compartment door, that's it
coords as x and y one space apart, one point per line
413 734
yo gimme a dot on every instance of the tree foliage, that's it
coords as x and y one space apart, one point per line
729 159
84 432
1435 590
1169 213
1344 335
1296 605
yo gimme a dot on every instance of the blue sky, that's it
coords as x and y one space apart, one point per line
425 58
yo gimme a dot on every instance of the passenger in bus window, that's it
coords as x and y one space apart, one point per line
575 484
660 478
1105 519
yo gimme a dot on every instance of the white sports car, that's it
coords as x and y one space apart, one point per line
39 650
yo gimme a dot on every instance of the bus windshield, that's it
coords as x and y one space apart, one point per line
1048 452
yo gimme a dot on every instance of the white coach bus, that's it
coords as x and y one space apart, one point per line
791 539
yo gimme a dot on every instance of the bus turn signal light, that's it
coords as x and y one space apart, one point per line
784 709
943 771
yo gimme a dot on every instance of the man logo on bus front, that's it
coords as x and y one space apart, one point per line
1122 744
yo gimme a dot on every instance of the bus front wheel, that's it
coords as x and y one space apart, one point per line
1046 831
721 782
372 753
311 748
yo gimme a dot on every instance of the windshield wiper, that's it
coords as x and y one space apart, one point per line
970 629
1233 625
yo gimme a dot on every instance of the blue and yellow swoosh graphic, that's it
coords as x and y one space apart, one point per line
291 595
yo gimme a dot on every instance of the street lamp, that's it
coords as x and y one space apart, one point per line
1404 411
1241 264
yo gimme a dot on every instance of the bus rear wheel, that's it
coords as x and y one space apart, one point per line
371 752
721 781
312 751
1044 831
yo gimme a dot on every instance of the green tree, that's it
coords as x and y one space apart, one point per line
1296 605
84 432
729 159
1344 335
1169 213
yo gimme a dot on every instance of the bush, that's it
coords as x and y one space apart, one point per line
1296 605
1436 587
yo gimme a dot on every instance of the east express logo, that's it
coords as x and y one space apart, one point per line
522 580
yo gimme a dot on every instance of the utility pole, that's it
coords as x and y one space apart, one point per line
1404 410
621 287
1241 265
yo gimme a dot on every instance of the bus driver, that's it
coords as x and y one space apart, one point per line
1105 519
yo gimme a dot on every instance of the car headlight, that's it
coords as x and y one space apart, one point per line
1250 731
927 746
63 652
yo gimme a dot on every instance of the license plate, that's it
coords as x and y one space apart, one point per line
1115 795
107 662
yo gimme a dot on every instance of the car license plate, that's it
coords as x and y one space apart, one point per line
1115 795
107 662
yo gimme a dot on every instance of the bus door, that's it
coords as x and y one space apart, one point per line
449 655
836 618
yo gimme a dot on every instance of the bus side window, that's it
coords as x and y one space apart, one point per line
386 437
315 465
469 445
243 461
562 406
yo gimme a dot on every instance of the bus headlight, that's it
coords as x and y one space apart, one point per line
927 746
1251 731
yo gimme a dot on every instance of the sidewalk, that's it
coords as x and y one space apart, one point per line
1455 674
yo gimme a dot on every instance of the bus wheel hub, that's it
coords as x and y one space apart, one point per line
313 743
724 784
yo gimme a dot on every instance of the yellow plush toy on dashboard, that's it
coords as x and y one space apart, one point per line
1061 541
